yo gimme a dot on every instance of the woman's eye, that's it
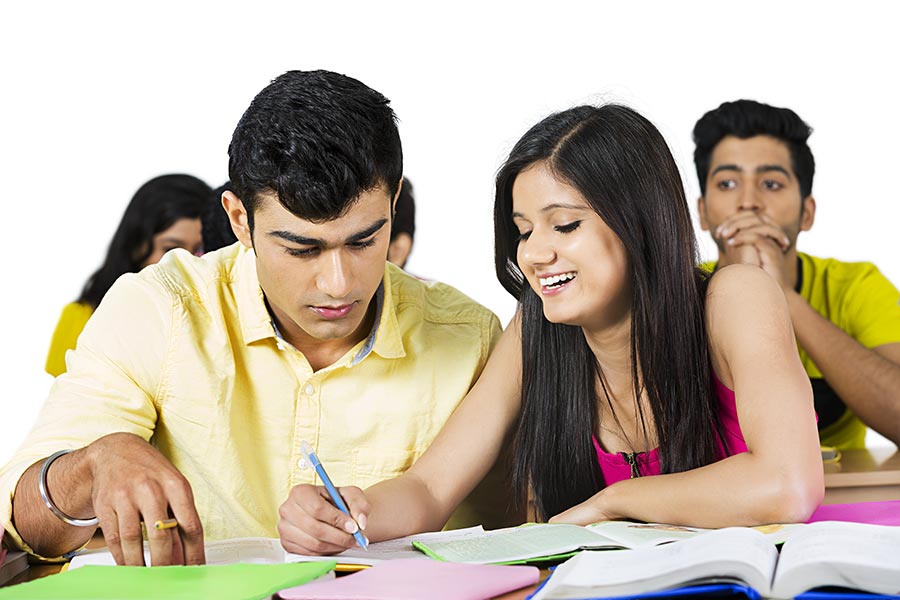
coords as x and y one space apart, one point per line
524 235
568 228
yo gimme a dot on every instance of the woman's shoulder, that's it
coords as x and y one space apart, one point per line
745 310
735 287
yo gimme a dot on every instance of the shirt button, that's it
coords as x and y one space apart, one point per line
309 389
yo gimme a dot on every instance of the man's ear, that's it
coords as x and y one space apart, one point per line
701 212
394 201
808 215
237 216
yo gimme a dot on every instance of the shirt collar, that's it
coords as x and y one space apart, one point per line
387 336
255 322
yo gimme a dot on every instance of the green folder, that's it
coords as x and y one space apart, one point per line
223 582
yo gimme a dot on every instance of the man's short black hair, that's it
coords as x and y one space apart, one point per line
748 118
318 139
404 211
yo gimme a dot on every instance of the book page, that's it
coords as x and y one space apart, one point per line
734 554
637 535
632 534
221 552
392 549
853 555
269 551
245 550
520 543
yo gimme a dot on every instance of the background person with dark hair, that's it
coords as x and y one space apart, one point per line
756 172
197 379
403 225
163 214
217 232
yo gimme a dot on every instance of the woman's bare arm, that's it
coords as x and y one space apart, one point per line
780 478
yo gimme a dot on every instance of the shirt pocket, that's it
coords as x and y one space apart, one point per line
374 464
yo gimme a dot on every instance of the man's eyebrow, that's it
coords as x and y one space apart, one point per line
759 169
297 239
776 168
368 231
726 168
320 243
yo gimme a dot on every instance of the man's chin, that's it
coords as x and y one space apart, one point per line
336 329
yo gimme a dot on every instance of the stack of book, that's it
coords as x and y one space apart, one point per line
11 564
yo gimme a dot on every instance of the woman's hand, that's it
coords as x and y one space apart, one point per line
593 510
310 524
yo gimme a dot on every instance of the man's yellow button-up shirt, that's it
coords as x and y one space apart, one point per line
184 354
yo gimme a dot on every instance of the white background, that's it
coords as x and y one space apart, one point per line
99 97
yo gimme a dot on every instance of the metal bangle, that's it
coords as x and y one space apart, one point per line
45 495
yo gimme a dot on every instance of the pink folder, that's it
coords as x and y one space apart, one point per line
876 513
414 579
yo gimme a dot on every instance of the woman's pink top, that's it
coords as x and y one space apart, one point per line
616 467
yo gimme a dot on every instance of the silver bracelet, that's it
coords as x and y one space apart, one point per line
45 495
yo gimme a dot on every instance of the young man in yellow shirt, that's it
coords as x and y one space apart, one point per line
756 171
197 379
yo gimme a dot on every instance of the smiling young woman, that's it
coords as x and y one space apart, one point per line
630 384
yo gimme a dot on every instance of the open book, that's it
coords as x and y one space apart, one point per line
545 542
848 555
269 551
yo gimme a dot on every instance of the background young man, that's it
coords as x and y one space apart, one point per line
756 172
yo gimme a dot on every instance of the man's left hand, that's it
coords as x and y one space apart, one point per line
750 229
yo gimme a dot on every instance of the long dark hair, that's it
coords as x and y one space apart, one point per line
154 208
621 165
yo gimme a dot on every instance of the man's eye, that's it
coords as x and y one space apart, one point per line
727 184
361 245
301 252
772 185
568 227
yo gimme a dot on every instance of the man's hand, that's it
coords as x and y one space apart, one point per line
310 524
134 482
754 238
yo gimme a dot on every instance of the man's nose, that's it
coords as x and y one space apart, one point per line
334 277
749 200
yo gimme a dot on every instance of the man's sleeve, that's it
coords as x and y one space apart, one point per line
493 336
872 310
111 385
